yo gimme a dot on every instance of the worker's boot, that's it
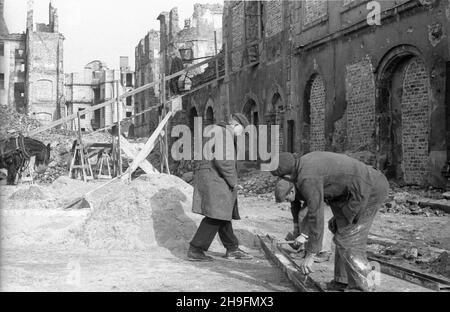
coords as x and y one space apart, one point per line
238 254
196 254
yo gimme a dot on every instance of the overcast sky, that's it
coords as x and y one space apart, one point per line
99 29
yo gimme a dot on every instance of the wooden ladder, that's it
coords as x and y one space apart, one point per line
80 164
104 161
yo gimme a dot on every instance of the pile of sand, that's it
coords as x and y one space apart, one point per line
151 211
28 194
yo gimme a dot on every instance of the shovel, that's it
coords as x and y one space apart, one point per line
82 202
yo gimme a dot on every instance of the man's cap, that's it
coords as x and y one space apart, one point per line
286 165
282 189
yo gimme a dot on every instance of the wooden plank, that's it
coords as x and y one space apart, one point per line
149 145
302 283
131 152
433 204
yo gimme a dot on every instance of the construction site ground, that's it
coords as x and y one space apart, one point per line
136 238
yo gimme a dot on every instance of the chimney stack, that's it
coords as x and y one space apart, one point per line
30 25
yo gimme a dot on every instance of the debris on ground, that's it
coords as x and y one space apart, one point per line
258 184
12 122
402 202
441 265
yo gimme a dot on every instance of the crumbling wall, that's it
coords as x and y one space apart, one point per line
237 34
415 122
360 94
314 11
317 102
274 17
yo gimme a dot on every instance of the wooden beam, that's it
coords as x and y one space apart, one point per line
149 145
131 152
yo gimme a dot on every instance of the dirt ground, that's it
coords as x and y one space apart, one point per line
46 248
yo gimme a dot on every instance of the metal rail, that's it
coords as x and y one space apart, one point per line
412 276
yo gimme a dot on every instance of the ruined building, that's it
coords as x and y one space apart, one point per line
12 66
335 80
95 85
179 47
31 68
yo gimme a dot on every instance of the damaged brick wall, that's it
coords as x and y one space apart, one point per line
360 96
274 18
314 11
339 138
415 122
237 34
317 102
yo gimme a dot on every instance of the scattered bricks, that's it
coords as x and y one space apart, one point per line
411 253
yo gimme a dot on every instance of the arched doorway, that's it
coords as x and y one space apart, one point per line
403 118
251 112
192 114
314 115
209 117
278 107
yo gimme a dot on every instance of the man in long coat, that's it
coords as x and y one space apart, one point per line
355 192
215 197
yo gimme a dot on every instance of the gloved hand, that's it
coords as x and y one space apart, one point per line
332 226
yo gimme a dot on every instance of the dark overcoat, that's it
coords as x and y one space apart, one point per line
214 183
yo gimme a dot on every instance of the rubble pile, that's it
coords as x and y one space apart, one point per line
258 184
418 191
441 265
407 204
12 122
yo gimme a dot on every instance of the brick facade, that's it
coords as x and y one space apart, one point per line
415 122
348 108
237 33
314 11
45 68
274 18
360 96
317 102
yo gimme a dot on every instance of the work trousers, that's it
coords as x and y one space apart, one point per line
351 265
207 231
